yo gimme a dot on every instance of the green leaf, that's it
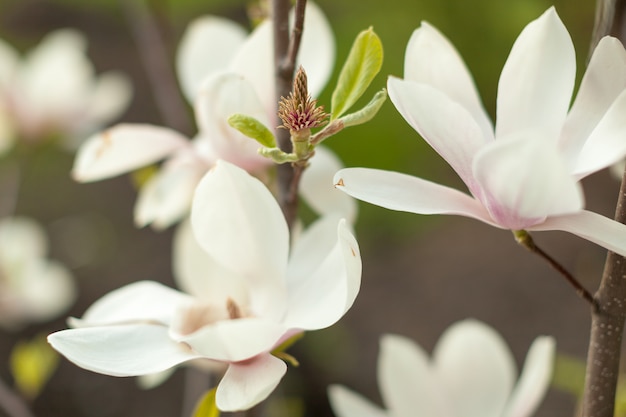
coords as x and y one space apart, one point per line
569 374
207 407
366 113
252 128
363 63
32 364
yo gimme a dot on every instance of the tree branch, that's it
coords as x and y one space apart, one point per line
285 53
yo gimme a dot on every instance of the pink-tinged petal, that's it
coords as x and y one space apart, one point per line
21 240
126 350
199 275
537 80
123 148
9 62
146 301
590 226
239 223
166 197
316 186
524 180
246 384
534 380
207 46
431 59
401 192
476 369
346 403
221 96
234 340
317 48
445 124
604 80
605 145
319 298
408 384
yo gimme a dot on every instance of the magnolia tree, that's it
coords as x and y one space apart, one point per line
252 274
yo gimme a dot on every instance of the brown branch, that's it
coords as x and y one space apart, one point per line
285 53
157 65
523 238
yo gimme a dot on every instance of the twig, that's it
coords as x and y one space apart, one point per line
13 403
523 238
285 53
156 63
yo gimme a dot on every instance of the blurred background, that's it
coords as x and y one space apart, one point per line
421 273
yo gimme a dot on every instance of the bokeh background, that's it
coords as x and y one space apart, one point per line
421 273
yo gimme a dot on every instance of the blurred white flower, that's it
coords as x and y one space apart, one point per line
222 71
54 90
525 173
32 287
471 374
246 293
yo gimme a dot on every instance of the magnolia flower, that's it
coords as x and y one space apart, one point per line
32 287
523 175
222 71
246 294
53 90
471 374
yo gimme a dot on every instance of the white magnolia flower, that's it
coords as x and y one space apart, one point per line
471 374
54 90
32 287
246 293
222 71
525 173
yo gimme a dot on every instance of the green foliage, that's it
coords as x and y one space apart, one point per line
368 112
254 129
207 407
32 364
363 63
569 374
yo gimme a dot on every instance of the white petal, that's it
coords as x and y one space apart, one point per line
239 223
46 289
248 383
198 274
221 96
604 80
111 95
127 350
208 45
524 180
9 62
317 48
316 186
446 125
254 61
166 197
139 301
320 297
476 368
123 148
431 59
605 145
537 80
346 403
150 381
534 380
234 340
402 192
408 385
591 226
21 239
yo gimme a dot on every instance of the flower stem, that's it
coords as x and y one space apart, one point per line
523 238
156 63
285 53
